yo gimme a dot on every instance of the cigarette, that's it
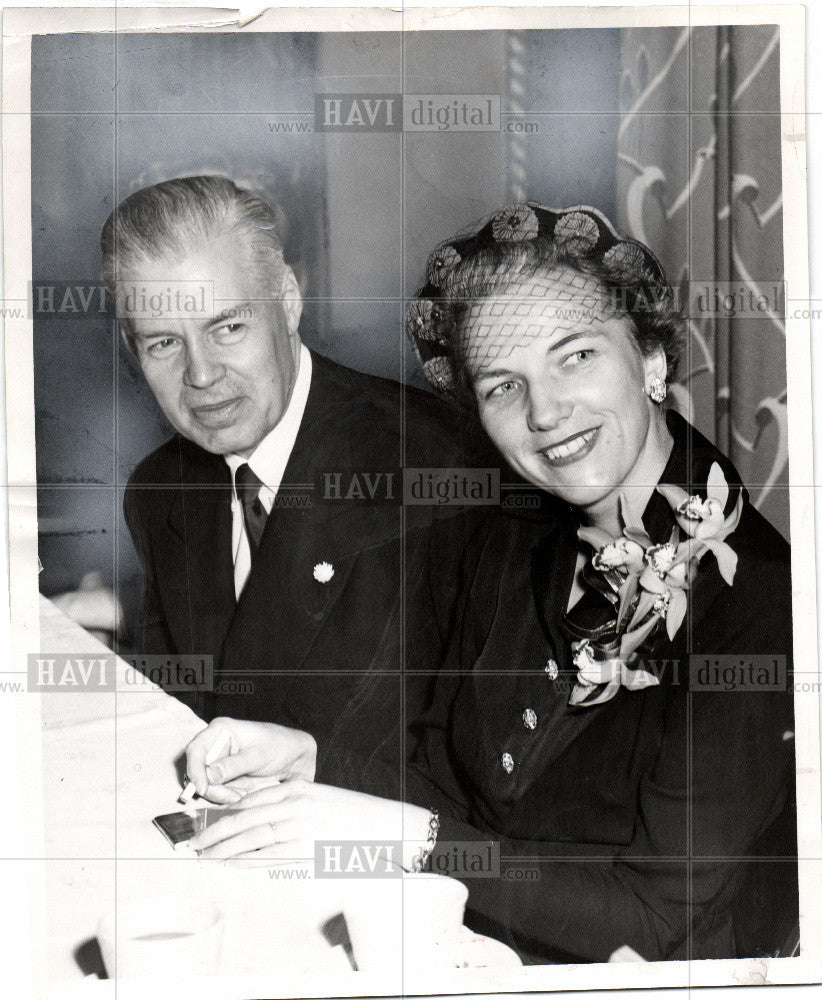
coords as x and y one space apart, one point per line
215 751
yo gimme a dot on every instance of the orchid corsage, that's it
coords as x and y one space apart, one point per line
649 584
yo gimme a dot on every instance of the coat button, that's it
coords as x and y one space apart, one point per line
508 763
552 669
529 717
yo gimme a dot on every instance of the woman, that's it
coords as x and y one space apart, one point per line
598 712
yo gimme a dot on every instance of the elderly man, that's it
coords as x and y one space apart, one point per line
268 527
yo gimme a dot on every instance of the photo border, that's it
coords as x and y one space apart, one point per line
18 27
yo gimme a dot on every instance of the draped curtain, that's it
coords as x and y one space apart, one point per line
699 180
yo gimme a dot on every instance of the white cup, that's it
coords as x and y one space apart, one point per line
373 916
397 924
433 909
161 937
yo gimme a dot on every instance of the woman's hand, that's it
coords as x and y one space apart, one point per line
256 751
285 821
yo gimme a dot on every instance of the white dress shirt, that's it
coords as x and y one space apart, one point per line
267 462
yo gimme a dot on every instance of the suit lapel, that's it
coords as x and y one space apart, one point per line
199 552
287 585
553 560
298 574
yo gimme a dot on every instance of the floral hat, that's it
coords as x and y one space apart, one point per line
583 233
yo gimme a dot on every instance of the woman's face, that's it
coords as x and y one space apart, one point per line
560 384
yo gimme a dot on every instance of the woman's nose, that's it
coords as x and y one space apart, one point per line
201 370
547 407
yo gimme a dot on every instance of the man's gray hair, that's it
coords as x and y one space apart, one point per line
176 217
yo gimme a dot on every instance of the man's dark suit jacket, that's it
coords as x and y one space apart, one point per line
323 656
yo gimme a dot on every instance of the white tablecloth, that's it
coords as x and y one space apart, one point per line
111 762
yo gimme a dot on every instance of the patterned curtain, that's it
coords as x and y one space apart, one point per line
699 180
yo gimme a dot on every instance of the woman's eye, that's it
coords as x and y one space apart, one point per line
578 357
229 332
503 389
163 348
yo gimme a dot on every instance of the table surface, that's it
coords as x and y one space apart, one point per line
111 762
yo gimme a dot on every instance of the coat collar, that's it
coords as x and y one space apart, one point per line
688 466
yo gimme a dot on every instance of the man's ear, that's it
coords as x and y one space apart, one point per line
292 300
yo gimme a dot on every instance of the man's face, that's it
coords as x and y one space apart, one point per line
223 378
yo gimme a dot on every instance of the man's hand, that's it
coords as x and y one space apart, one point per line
256 751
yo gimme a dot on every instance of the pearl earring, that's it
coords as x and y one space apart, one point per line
657 390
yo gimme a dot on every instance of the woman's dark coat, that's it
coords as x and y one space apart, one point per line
632 822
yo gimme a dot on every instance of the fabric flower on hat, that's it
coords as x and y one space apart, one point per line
419 320
515 224
441 263
576 231
440 373
625 260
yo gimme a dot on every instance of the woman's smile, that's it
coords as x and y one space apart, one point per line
571 449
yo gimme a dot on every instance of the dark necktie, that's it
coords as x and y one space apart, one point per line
248 488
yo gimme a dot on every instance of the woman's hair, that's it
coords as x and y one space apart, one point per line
521 243
177 217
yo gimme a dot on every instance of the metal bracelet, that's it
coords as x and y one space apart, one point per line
433 829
